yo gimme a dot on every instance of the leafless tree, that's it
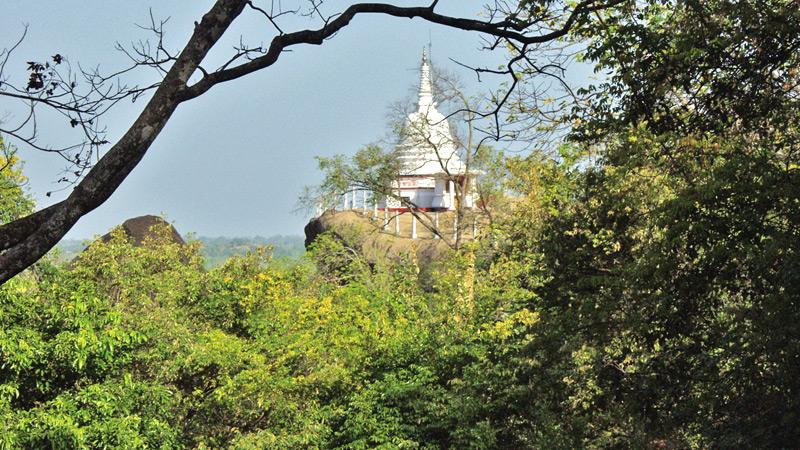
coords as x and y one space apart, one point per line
460 144
447 145
82 96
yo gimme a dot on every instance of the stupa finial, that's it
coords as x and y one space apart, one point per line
425 91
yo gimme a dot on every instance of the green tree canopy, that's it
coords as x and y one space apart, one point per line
14 200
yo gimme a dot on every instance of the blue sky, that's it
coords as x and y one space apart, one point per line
234 161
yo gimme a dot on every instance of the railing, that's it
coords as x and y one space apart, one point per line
404 223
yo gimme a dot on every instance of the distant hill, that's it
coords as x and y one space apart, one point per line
216 249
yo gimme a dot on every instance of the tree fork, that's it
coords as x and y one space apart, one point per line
104 178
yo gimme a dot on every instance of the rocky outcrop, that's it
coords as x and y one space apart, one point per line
317 226
139 228
367 237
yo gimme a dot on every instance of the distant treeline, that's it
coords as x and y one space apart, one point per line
219 249
216 250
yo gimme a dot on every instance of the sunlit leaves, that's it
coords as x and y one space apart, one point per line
15 201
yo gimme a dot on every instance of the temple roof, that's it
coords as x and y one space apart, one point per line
427 146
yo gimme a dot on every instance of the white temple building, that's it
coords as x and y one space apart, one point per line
431 164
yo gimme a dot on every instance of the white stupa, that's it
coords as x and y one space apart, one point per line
429 155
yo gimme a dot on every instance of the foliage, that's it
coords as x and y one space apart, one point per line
140 347
688 66
371 168
642 293
675 252
14 200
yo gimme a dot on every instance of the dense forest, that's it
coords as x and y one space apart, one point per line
642 291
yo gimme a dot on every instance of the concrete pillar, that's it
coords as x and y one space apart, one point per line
397 224
353 193
345 203
364 192
386 213
413 226
455 227
374 207
452 187
468 194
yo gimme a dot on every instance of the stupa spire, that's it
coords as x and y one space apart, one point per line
425 91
